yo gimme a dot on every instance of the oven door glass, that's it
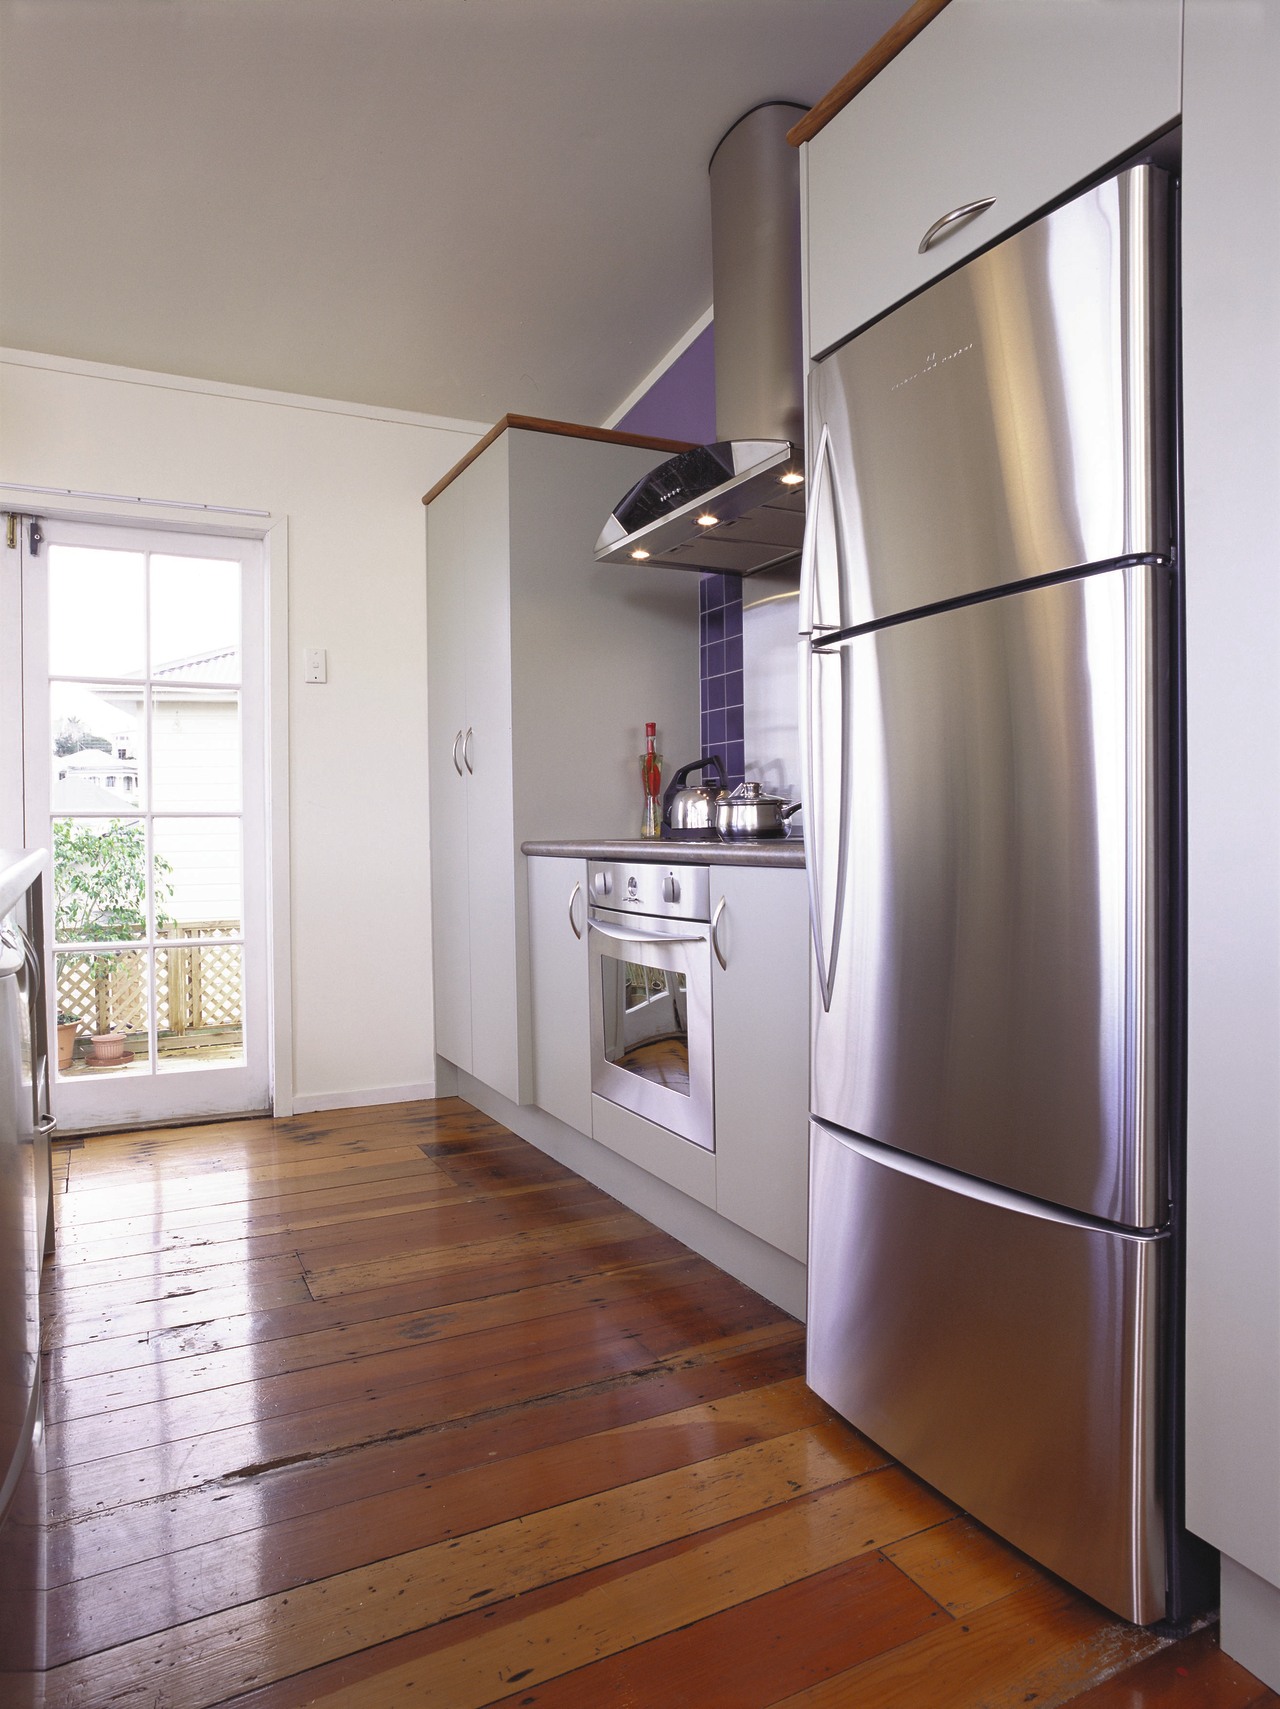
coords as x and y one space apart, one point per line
651 1020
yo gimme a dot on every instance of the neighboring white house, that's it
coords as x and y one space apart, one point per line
195 767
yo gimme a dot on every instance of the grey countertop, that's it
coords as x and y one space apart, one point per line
775 851
18 869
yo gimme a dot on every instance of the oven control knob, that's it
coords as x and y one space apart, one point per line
603 883
671 888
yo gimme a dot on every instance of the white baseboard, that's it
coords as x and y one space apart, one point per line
305 1104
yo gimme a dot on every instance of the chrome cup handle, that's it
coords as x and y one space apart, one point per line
948 222
715 933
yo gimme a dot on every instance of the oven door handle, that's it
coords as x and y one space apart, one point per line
645 938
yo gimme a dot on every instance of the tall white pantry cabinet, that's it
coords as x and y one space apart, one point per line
543 667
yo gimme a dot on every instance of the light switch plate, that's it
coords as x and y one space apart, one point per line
315 665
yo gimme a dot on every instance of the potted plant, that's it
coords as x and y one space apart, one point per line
100 897
67 1029
110 1046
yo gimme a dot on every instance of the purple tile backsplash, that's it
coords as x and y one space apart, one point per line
720 658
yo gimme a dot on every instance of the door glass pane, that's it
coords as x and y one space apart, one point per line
197 873
97 612
195 749
195 619
199 1005
96 764
105 995
646 1022
99 880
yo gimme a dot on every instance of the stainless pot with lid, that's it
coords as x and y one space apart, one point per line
749 812
689 809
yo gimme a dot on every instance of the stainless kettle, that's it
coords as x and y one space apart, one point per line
689 809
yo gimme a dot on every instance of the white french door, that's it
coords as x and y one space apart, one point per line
144 772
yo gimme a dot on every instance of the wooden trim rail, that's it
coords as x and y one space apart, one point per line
872 63
567 429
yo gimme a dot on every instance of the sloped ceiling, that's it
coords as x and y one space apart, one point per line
462 207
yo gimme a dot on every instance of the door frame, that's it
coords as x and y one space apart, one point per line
272 531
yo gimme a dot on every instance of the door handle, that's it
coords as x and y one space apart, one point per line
457 763
948 222
573 924
46 1124
715 933
822 593
826 800
466 752
644 939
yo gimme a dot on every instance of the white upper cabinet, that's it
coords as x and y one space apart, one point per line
1006 102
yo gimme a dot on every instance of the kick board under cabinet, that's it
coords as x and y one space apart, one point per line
543 667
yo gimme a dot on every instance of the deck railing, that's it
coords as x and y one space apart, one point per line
199 986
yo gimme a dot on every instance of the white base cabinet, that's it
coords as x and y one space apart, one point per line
1014 100
543 667
757 1176
760 1016
558 989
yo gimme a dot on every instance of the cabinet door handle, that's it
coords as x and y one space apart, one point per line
941 227
715 933
573 924
457 763
46 1124
466 751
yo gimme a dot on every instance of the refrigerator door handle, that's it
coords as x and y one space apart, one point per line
823 715
982 1192
821 555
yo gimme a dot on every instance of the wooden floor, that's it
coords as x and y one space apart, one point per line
384 1407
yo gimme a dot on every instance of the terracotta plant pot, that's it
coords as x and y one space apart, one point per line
66 1043
107 1047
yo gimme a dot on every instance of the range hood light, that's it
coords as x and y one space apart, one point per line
706 520
792 478
639 553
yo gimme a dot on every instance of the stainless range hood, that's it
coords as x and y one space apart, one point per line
738 505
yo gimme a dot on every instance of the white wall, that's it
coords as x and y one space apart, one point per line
770 681
350 481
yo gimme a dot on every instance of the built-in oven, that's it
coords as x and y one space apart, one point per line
649 936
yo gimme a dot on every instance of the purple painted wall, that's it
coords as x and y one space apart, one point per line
681 404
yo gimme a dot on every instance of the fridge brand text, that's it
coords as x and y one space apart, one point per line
935 361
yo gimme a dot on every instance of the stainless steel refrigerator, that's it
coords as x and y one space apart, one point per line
990 705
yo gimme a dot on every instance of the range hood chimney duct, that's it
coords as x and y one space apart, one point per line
755 277
738 505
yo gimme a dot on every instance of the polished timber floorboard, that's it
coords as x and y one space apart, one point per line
384 1407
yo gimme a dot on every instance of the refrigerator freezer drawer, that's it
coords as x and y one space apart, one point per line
1007 1353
